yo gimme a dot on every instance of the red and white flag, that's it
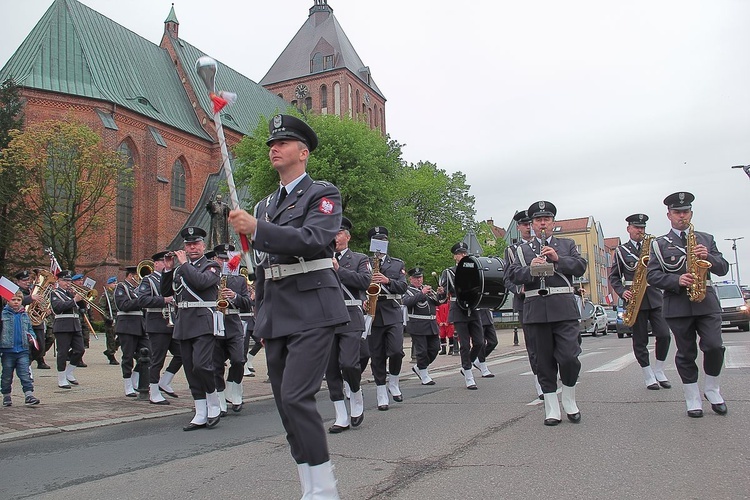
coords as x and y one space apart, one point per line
609 298
54 266
7 288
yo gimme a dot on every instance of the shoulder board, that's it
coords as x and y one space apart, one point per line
396 259
323 183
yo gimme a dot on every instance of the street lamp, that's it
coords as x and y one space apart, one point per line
746 168
734 247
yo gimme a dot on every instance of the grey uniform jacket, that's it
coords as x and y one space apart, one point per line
150 297
517 290
202 277
62 303
126 301
419 304
667 263
240 304
355 274
623 269
455 313
553 307
304 227
388 311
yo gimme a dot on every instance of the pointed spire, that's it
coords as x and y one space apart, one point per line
321 6
171 24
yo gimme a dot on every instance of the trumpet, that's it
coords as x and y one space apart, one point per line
89 296
144 268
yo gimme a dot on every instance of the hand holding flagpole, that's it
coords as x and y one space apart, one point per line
206 68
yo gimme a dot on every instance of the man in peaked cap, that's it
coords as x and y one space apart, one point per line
193 284
296 227
23 280
550 309
107 303
158 325
626 267
421 302
67 329
523 224
129 329
84 313
468 324
355 274
386 340
687 318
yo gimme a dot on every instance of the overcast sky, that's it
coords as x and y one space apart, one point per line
601 107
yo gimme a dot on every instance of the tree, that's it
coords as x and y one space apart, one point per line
73 182
13 178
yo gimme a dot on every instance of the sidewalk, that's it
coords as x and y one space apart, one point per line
100 399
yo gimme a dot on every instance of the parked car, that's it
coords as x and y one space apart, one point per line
621 328
611 319
734 310
593 319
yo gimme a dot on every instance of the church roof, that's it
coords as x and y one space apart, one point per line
75 50
320 33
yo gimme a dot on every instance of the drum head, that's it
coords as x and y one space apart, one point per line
479 283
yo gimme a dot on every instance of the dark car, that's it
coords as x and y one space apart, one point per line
621 328
611 319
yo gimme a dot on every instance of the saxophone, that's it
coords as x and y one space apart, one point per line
374 289
697 267
221 303
638 288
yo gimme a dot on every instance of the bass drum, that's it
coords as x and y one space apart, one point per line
479 283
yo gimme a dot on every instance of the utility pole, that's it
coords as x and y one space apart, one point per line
736 262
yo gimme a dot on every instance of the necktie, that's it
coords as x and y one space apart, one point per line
282 196
638 248
338 255
684 239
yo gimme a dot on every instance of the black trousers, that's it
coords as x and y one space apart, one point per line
198 361
557 349
470 340
386 346
640 335
490 339
295 366
426 348
131 346
364 354
343 364
232 349
528 340
686 330
66 341
161 343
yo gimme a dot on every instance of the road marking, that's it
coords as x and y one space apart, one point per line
737 356
616 364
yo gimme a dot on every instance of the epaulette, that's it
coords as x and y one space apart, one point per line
323 183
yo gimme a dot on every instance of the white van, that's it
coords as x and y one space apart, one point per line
734 310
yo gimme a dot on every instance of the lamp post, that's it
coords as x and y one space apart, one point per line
745 168
736 262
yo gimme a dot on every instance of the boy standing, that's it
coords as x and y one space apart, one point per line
14 348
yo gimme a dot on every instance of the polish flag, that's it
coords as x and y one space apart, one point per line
609 298
54 267
7 288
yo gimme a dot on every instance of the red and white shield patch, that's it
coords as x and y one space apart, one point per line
326 206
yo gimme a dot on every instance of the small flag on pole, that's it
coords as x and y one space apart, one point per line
7 288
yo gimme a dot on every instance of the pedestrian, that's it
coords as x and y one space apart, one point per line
298 294
682 264
15 339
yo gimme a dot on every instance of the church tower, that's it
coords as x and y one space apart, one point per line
320 71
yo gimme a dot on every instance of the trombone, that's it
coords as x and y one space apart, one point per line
89 296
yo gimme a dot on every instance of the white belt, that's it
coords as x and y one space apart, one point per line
130 313
232 311
189 305
553 290
626 283
66 316
353 302
278 271
420 316
156 310
453 299
388 296
248 315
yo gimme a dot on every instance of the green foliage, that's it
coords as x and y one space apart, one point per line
72 180
425 210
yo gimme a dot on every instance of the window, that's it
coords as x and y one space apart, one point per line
124 215
323 96
177 195
316 62
328 63
107 119
308 103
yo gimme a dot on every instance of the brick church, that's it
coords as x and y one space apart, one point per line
146 101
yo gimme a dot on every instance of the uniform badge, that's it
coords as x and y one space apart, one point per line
541 205
326 206
277 121
681 196
190 231
119 292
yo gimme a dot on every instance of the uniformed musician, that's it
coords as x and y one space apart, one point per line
667 270
386 340
67 328
194 286
107 303
231 345
23 280
523 223
468 324
421 301
621 275
159 326
550 311
490 342
83 310
129 330
355 274
298 294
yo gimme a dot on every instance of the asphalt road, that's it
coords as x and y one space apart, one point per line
442 442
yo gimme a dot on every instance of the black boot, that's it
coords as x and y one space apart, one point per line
442 349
